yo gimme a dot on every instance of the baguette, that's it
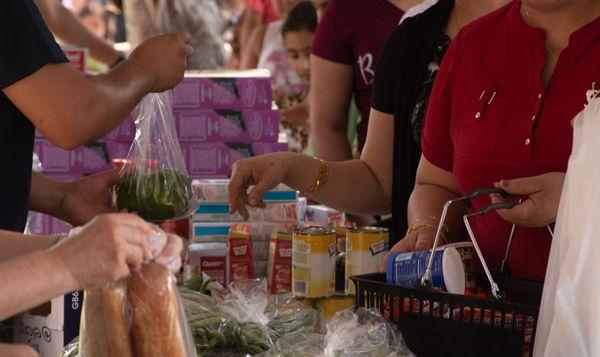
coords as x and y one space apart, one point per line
156 323
104 324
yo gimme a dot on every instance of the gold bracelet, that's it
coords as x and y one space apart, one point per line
428 222
321 179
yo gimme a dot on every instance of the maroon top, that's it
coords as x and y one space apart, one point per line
353 32
523 130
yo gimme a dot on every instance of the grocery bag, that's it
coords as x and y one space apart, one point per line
569 320
141 316
154 182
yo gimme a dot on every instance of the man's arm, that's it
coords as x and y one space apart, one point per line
70 109
66 26
32 279
15 244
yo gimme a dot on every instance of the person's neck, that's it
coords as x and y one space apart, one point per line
560 22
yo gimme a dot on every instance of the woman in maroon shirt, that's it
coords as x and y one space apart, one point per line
501 108
344 56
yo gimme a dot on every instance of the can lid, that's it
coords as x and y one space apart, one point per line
369 230
315 231
454 271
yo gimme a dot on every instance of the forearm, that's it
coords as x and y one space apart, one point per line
331 143
30 280
66 26
79 109
15 244
428 200
46 194
351 186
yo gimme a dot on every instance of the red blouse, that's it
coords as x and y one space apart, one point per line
490 118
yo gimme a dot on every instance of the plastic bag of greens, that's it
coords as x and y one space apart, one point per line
154 181
364 333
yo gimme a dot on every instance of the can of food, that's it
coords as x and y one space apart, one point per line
328 307
448 272
313 262
365 247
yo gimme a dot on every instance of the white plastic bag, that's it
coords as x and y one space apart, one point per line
569 321
154 181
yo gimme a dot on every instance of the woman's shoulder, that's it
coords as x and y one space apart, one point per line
488 24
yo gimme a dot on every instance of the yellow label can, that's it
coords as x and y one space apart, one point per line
365 247
313 262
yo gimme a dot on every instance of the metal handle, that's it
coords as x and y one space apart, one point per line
487 191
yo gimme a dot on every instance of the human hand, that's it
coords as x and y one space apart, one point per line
296 115
163 58
88 197
540 208
170 256
105 250
421 239
263 172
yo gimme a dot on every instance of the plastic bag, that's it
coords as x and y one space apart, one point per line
154 181
364 333
247 320
568 323
138 316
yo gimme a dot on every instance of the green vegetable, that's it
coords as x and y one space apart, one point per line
156 196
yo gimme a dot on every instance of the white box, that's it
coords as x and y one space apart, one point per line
48 334
215 191
281 212
203 232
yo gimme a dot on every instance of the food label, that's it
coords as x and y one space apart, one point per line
215 267
280 264
364 252
313 265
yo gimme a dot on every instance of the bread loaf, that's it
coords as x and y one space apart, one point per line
155 322
104 328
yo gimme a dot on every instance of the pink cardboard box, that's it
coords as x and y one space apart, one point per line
125 132
224 90
86 159
40 223
233 126
218 158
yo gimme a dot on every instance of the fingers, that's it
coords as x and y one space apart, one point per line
184 36
522 214
424 242
237 190
111 177
134 256
521 186
255 197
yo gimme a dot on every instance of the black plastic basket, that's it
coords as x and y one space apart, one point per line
441 324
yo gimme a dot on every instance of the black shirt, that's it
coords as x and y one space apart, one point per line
405 73
26 45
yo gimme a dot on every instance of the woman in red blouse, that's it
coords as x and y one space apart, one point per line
500 109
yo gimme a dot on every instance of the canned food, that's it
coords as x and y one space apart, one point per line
328 307
448 271
313 262
365 247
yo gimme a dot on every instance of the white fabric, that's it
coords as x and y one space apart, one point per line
569 321
418 9
273 57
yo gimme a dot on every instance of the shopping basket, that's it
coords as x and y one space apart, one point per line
435 323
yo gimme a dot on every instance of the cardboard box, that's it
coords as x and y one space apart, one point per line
86 159
49 331
203 232
215 191
77 56
280 212
218 158
226 125
279 270
224 90
211 259
319 215
40 223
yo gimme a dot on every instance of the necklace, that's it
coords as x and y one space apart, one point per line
530 18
